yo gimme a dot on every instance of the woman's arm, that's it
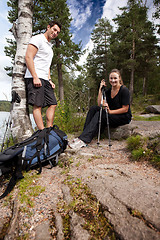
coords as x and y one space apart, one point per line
124 109
125 99
100 92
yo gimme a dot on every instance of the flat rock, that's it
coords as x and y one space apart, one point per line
153 109
149 129
130 202
42 231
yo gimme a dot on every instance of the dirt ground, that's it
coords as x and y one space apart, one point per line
127 192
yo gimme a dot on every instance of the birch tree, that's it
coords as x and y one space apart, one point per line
22 31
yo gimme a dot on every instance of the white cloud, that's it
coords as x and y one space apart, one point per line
5 91
3 15
111 9
88 48
80 12
5 80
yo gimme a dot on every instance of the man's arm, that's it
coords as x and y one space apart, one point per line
49 77
30 54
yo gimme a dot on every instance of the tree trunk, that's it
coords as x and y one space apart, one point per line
144 85
22 30
131 87
60 78
60 82
106 61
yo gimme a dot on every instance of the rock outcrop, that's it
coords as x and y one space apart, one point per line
149 129
153 109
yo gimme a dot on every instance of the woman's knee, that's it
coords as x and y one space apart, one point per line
94 109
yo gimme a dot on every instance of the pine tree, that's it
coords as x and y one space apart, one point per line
98 61
132 34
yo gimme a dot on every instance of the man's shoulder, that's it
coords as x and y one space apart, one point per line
37 36
36 40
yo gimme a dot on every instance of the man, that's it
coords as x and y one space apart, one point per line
38 80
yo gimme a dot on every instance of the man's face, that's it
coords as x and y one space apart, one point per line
53 31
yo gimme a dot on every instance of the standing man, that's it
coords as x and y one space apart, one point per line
39 86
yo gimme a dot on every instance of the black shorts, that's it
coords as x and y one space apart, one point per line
40 96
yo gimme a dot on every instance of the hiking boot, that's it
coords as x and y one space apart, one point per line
77 144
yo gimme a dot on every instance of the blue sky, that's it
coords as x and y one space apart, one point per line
85 14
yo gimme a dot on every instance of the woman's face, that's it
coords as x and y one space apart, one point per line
114 79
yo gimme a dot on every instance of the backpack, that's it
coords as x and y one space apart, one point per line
44 146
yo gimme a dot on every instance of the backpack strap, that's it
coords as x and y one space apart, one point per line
42 141
62 135
17 175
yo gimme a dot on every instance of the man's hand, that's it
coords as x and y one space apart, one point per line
52 84
37 82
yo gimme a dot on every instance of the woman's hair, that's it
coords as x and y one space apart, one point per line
118 72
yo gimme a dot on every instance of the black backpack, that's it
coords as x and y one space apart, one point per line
43 146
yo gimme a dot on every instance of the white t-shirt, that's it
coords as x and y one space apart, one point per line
43 57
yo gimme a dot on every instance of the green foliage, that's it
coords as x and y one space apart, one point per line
13 13
134 142
28 190
98 61
112 49
138 153
68 119
85 204
140 102
5 106
153 118
143 149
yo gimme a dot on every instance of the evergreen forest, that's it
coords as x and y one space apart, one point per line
133 47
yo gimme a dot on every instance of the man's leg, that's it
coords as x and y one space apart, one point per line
38 117
50 115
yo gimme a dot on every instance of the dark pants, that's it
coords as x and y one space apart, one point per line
91 125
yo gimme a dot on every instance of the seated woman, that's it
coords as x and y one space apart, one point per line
118 108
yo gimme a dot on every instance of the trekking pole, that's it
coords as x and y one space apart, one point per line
4 137
109 137
15 98
100 118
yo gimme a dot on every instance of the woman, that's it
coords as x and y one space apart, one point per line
118 108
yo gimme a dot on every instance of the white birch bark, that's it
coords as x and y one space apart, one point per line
22 30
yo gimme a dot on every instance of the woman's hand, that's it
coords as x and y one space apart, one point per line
106 107
103 83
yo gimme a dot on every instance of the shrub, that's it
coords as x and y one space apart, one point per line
138 153
143 150
68 119
134 143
